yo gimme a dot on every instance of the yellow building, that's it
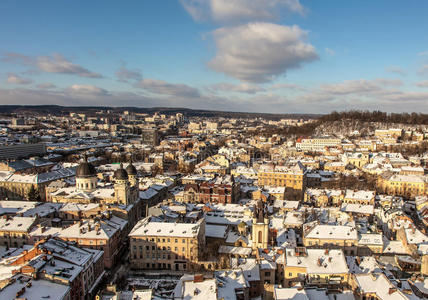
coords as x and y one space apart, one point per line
16 186
292 178
357 159
369 244
14 230
335 166
331 237
170 246
324 197
318 143
320 267
359 197
403 185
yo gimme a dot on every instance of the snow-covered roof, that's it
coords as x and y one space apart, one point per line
338 232
215 231
90 229
40 289
18 224
249 266
293 293
357 208
188 288
318 261
359 194
378 284
146 227
231 281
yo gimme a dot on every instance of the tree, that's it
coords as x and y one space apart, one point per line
33 194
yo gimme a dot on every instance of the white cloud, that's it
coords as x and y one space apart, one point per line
16 79
423 70
50 64
125 75
86 90
361 86
396 70
423 84
46 85
259 52
238 88
58 64
330 52
236 11
161 87
375 94
288 86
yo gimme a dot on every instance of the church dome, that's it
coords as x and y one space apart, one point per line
85 169
131 170
121 174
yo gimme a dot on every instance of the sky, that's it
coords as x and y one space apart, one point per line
274 56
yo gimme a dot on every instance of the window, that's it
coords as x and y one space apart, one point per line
260 239
184 241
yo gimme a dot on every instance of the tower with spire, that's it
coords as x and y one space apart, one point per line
132 174
260 228
124 191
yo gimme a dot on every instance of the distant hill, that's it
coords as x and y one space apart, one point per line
60 110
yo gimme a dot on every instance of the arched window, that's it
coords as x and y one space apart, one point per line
260 237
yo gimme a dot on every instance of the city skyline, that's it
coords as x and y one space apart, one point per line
285 56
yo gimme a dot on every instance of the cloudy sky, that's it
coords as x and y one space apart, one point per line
241 55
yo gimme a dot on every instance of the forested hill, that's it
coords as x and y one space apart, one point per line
377 116
91 110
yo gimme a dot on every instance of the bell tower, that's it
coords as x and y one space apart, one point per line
121 185
260 228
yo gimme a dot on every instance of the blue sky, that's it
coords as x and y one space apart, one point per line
241 55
